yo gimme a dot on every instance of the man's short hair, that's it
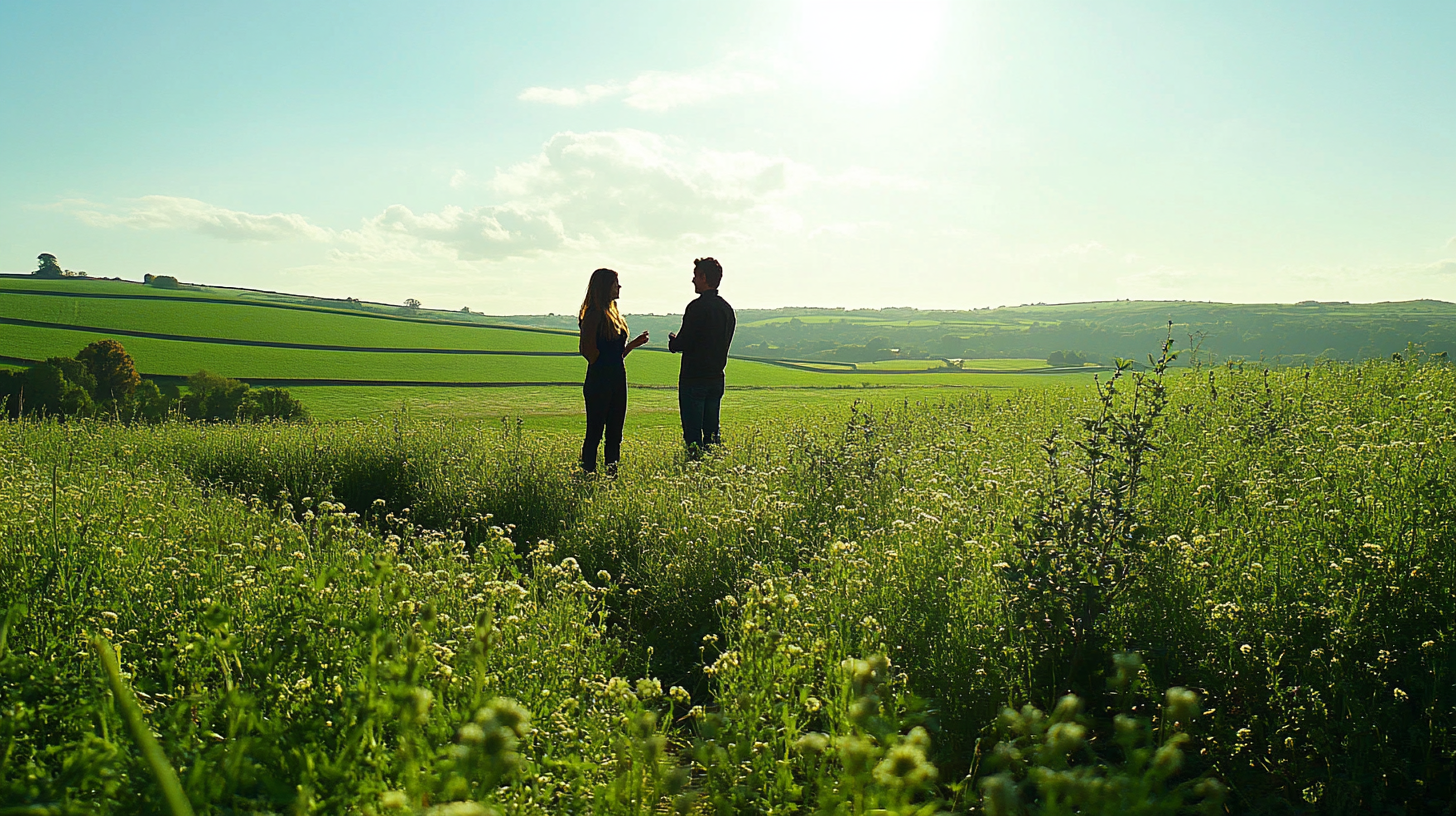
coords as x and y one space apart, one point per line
711 269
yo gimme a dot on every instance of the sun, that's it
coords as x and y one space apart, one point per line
869 47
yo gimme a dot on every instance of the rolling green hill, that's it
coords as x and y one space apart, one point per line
1288 334
173 333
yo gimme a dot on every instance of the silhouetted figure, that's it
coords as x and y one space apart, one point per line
605 347
703 340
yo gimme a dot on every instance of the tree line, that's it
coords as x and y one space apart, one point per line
102 381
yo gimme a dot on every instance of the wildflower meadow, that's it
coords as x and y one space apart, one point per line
1179 591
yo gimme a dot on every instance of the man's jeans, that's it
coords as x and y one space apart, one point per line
699 404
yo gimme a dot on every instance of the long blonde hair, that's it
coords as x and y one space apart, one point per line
599 300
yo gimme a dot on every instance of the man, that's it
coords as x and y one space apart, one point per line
707 330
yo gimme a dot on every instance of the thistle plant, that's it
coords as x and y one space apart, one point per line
1082 544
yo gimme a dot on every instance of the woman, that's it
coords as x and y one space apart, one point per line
604 345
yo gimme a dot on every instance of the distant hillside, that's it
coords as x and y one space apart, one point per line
1287 334
276 339
1098 331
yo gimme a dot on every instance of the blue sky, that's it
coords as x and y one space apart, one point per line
933 154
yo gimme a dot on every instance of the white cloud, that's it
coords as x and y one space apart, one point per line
174 213
569 97
664 90
586 191
483 233
596 192
612 184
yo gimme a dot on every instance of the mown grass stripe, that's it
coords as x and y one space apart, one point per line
227 341
294 307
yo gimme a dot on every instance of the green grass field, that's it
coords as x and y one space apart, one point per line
147 310
244 321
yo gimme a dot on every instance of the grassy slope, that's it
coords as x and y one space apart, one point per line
276 325
245 322
646 367
242 321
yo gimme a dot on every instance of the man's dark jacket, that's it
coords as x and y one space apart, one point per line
707 331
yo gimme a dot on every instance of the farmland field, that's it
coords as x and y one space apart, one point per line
1245 577
300 345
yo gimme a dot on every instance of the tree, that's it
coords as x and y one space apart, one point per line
12 385
48 266
411 303
112 370
76 373
47 392
1066 358
161 281
213 397
272 403
149 403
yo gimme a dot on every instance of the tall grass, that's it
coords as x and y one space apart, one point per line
880 607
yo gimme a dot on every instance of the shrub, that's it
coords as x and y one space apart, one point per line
272 403
149 402
162 281
213 397
1066 358
48 391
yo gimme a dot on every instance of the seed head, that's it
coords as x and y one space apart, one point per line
855 753
649 688
1182 705
505 713
904 766
1065 737
999 796
812 743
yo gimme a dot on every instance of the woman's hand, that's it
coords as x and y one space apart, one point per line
640 340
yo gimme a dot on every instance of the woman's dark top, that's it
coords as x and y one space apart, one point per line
609 353
601 350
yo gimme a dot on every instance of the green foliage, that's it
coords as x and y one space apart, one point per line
113 374
271 404
48 391
77 373
1084 541
1066 358
48 266
150 403
1056 764
813 619
161 281
213 397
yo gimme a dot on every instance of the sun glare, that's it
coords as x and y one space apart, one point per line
869 47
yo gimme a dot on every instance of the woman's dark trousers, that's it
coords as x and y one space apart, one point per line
606 410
